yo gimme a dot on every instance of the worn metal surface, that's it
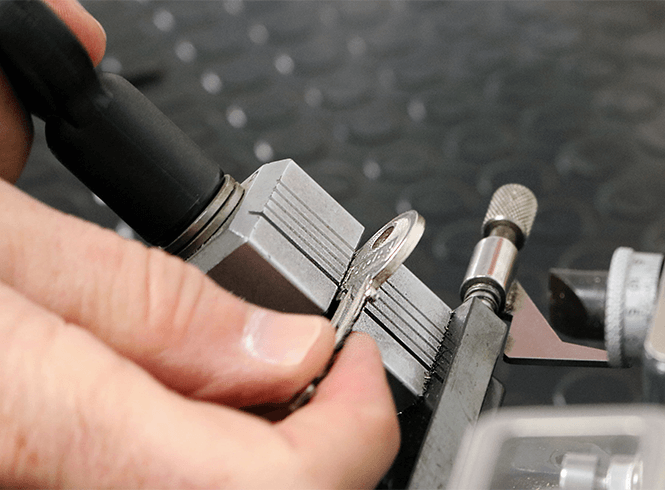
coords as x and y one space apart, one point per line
408 317
481 335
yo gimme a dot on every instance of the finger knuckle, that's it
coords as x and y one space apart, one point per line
39 413
173 293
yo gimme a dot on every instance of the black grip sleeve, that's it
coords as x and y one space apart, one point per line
136 160
44 61
103 129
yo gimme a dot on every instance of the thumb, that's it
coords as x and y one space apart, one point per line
156 310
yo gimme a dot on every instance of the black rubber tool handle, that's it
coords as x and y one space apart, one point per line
103 129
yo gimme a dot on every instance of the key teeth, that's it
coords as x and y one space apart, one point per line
513 203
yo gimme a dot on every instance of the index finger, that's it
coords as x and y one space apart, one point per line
348 435
84 26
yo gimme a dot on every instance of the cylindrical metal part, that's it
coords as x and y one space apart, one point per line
578 471
506 227
623 473
209 221
488 293
492 263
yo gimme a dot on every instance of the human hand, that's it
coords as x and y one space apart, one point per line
123 366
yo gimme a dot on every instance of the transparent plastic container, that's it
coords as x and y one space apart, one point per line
592 448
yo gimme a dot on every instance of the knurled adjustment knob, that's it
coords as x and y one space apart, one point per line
506 227
514 206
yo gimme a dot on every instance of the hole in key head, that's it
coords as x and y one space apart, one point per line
383 237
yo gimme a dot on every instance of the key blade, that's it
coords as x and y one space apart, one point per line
370 267
348 311
387 249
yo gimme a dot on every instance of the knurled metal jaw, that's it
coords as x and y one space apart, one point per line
287 247
288 244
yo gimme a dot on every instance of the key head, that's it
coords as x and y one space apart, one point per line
388 248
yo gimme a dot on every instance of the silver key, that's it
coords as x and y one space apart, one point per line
370 267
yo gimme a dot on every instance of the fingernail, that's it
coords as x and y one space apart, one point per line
278 338
101 29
